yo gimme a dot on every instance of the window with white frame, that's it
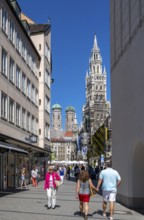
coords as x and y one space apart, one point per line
47 104
4 20
24 83
47 131
4 103
18 77
11 70
47 78
28 88
4 62
23 118
18 115
11 32
28 121
11 110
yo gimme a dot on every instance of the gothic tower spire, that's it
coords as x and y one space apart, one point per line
95 45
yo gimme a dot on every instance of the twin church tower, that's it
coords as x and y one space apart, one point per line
71 120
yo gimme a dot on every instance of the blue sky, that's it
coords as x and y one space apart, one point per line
73 24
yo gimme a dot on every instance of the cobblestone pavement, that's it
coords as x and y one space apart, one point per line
32 204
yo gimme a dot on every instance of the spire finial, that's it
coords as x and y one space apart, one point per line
95 46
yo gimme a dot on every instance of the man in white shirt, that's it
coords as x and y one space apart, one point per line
110 180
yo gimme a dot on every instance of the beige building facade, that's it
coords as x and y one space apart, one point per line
24 94
127 67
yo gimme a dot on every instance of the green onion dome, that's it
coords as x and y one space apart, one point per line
70 108
56 106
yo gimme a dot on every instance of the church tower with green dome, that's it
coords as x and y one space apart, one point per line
70 117
56 117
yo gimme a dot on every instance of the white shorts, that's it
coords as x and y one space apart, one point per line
109 196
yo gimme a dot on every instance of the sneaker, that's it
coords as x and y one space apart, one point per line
49 207
53 207
111 218
104 214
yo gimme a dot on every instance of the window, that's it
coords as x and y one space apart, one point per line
17 114
28 121
11 35
47 78
33 94
47 104
97 69
47 131
33 125
36 97
4 20
18 77
28 89
4 62
23 50
11 110
3 105
32 64
23 118
36 127
24 83
11 70
18 41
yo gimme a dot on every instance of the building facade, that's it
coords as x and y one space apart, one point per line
24 94
64 142
127 67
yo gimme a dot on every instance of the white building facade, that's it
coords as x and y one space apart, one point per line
127 68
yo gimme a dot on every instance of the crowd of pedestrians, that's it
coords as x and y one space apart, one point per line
108 179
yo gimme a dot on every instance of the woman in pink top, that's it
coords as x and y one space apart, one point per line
50 186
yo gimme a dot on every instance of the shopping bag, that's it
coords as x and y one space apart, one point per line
58 183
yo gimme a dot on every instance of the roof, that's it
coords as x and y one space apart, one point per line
68 134
56 106
70 108
38 28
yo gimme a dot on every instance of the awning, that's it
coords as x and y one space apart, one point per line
11 148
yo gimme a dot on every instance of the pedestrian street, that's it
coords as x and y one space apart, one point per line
32 204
